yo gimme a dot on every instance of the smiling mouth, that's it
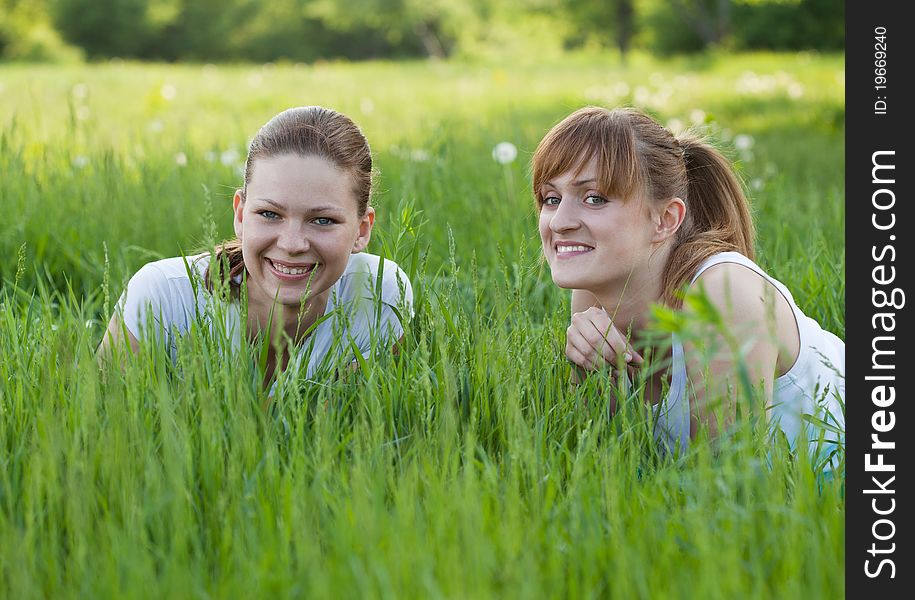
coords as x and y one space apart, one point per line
569 250
296 271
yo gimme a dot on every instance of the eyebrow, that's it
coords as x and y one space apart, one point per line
325 208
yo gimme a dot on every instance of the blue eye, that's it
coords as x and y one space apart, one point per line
595 199
268 214
324 221
552 201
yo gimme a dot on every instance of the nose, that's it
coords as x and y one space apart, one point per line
293 240
565 217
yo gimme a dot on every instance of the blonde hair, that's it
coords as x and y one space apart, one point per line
637 156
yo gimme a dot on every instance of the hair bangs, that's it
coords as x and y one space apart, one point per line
589 134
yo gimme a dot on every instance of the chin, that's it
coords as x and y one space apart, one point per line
566 282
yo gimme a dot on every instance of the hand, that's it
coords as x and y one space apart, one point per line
593 341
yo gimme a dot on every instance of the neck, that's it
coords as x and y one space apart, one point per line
629 303
293 321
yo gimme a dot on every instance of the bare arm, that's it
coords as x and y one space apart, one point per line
115 337
729 362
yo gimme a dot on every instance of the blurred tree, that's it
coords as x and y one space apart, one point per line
104 28
693 25
301 30
790 24
709 19
306 30
198 29
609 22
26 33
436 24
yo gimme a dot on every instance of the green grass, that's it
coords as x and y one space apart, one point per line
466 468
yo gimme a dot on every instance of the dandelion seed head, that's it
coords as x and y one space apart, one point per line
229 157
504 153
80 161
83 113
181 159
169 92
697 116
366 106
642 95
419 155
743 141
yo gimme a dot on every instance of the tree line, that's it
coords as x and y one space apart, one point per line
310 30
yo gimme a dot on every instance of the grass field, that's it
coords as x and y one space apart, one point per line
468 467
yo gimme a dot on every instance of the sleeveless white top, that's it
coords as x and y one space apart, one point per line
812 386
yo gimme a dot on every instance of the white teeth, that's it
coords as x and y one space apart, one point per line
289 270
564 249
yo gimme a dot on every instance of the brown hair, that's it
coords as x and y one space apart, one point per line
304 131
636 156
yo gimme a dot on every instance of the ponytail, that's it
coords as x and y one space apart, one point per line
226 266
718 217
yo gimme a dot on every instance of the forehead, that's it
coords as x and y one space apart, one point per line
291 178
583 172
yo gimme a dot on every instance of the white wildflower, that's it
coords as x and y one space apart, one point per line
169 92
229 157
743 141
419 155
675 126
504 153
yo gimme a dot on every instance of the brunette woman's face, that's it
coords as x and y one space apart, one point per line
590 241
298 224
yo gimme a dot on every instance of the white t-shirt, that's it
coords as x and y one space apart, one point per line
814 385
171 292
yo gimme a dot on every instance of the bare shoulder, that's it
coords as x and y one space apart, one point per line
735 291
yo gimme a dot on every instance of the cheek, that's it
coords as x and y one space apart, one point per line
544 225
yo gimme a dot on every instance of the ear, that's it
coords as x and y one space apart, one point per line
365 230
668 219
238 208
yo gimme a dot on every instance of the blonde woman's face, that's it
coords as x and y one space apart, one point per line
298 225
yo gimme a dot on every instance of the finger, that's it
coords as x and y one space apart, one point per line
609 334
621 344
579 347
604 338
579 359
